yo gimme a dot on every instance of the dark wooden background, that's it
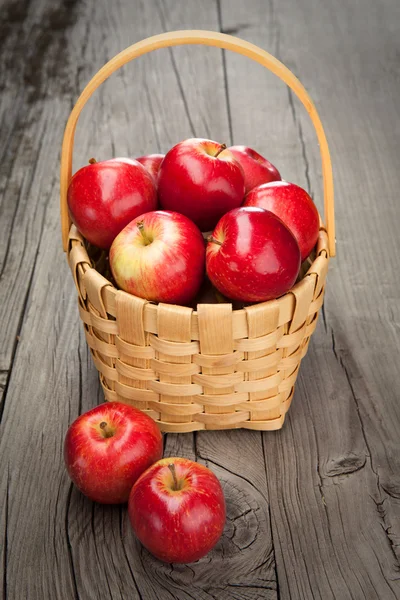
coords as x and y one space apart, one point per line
313 510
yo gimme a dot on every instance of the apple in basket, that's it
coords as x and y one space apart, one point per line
257 169
152 163
202 180
177 510
252 256
159 256
107 448
293 206
105 196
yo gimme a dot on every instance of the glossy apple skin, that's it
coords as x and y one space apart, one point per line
258 259
293 206
257 169
105 468
104 197
197 184
152 163
177 526
170 268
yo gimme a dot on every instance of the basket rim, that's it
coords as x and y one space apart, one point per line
80 264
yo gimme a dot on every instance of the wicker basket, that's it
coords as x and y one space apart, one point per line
214 368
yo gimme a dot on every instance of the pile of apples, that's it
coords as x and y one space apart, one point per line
202 212
176 506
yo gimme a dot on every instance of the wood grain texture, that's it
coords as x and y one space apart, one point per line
313 510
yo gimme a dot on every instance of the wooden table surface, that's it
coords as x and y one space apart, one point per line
314 509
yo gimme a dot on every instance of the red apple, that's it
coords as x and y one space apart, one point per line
159 256
256 168
152 163
293 206
107 448
177 510
105 196
252 256
202 180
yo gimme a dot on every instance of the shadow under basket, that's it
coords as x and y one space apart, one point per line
213 368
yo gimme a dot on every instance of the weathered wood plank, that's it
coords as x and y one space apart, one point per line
83 555
325 471
363 324
33 37
327 529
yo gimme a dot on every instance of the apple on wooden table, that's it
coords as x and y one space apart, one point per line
159 256
202 180
103 197
107 448
252 256
152 163
257 169
293 206
177 510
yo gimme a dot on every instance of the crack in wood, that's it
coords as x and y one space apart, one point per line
176 70
297 122
11 225
22 315
255 586
11 228
126 555
334 347
152 115
80 68
296 119
80 382
270 521
249 510
225 73
93 528
194 438
5 549
69 545
323 315
4 375
224 468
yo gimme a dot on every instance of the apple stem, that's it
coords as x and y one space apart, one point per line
176 487
107 432
140 226
92 161
222 148
214 241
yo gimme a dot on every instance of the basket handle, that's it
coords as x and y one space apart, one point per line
207 38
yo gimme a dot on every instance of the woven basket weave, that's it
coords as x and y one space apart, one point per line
214 368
